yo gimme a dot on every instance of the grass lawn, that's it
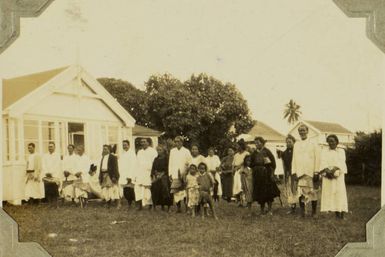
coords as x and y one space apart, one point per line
92 232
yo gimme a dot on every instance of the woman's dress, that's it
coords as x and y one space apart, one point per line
160 188
227 177
247 183
290 185
334 197
264 187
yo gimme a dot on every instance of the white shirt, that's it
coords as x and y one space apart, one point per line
145 158
196 160
213 162
179 159
239 158
83 166
31 162
331 158
127 166
70 163
51 163
305 158
104 165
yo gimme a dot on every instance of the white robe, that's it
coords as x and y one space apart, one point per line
83 166
333 197
51 163
213 162
142 181
70 163
34 189
179 160
305 158
127 166
237 164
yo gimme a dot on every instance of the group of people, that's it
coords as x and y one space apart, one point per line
153 177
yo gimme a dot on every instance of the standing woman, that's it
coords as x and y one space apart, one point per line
239 157
227 174
263 165
290 185
160 189
333 169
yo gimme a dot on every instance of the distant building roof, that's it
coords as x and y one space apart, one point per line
328 127
16 88
141 131
263 130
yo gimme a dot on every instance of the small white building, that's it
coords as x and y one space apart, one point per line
319 130
274 141
66 106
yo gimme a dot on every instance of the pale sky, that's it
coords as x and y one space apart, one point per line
272 50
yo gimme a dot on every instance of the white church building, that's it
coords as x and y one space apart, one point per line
66 106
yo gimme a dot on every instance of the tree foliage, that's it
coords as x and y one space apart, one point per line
203 109
292 112
364 160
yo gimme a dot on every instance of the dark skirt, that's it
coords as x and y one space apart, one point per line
160 191
129 194
227 185
264 187
51 190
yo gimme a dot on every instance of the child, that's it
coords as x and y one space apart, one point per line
192 189
247 181
213 166
206 183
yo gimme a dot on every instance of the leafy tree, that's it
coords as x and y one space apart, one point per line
292 112
131 98
364 160
203 109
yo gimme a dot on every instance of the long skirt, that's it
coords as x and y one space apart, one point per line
217 189
68 191
237 185
51 188
227 185
110 190
160 191
81 189
264 187
143 193
33 189
178 190
306 189
290 190
333 197
247 187
129 193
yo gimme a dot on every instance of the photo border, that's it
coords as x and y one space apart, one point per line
373 10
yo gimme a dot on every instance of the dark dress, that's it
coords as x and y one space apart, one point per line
290 189
264 187
227 177
160 189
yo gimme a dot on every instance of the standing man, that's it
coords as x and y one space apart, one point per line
145 158
109 177
305 165
51 169
69 170
34 186
127 167
180 157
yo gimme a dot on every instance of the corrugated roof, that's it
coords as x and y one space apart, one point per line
141 131
329 127
16 88
265 131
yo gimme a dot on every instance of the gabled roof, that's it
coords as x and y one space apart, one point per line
263 130
22 93
16 88
141 131
329 127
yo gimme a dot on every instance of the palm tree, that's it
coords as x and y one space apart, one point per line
292 112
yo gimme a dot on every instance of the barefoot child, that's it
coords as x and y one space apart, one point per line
192 189
247 181
206 183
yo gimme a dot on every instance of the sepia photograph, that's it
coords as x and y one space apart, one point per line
192 128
